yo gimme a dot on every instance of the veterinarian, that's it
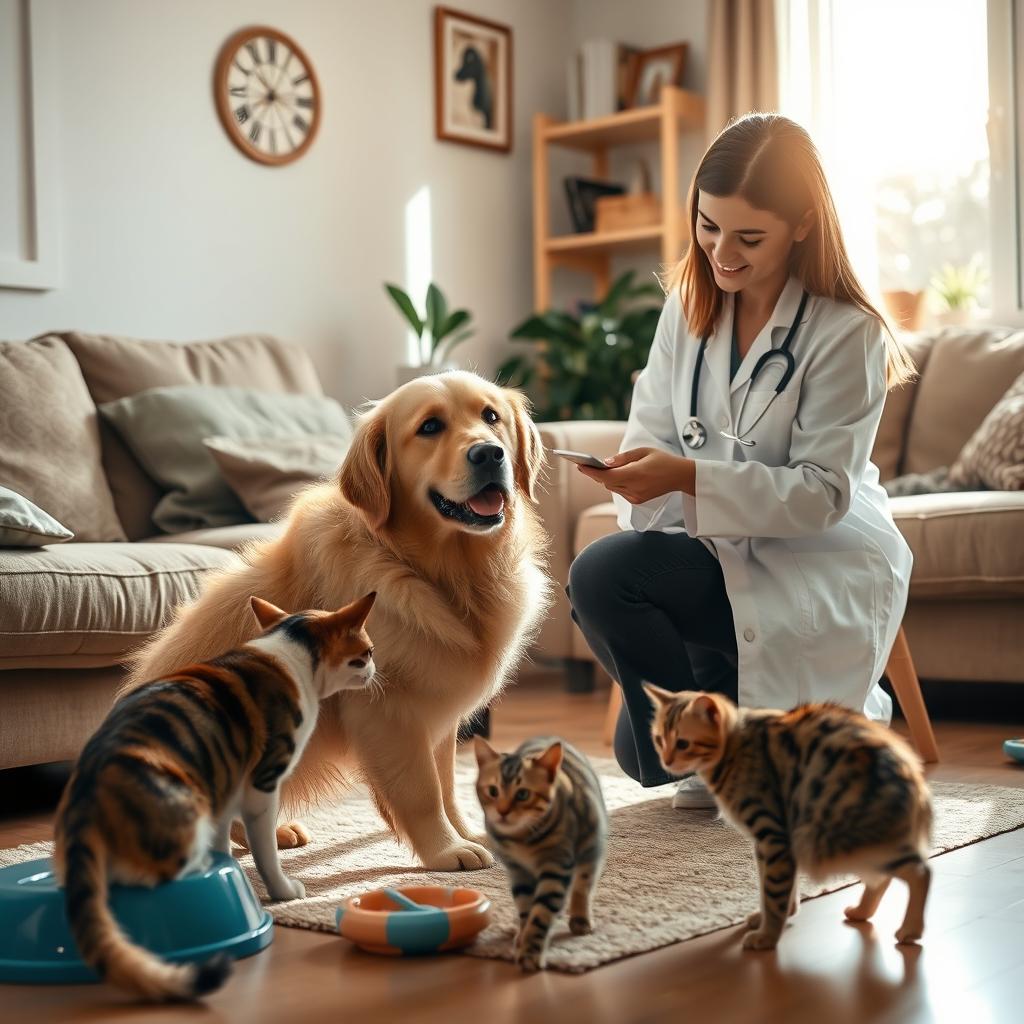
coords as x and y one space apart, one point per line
758 556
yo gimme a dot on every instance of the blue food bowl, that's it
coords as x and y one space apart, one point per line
1014 749
214 911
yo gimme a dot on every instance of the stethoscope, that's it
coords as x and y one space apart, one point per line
695 434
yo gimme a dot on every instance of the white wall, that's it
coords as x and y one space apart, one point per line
167 231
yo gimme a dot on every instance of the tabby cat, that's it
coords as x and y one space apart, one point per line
819 788
546 820
177 759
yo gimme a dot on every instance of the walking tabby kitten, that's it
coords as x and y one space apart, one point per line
177 759
819 788
546 819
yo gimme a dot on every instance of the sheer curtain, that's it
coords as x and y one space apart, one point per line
808 93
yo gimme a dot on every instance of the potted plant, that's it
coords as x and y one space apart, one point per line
957 289
437 330
582 365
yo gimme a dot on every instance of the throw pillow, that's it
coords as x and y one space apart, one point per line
24 525
50 450
994 456
115 367
165 429
266 473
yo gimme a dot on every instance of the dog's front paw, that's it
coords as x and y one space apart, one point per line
460 856
760 939
291 835
909 935
287 889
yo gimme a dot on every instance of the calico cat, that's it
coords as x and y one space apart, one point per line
819 788
547 823
177 759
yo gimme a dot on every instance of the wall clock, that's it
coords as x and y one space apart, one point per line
268 95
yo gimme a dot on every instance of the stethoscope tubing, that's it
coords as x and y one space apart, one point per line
695 433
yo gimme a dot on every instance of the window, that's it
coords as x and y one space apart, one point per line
895 94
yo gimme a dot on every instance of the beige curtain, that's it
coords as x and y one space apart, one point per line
743 62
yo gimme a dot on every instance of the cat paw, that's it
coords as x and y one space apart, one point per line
857 914
760 940
530 962
754 920
292 835
909 935
580 925
287 889
461 856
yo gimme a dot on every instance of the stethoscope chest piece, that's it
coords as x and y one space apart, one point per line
695 434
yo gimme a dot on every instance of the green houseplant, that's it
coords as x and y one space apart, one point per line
582 366
957 289
438 330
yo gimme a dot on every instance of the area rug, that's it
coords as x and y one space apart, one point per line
670 876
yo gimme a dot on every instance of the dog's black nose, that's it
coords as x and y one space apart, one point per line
485 452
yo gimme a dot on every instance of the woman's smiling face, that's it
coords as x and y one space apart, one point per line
745 246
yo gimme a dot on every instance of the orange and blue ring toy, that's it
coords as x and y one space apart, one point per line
414 919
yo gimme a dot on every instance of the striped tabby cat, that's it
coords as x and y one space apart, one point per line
547 823
818 788
177 759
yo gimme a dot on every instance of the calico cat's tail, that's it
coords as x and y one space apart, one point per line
105 948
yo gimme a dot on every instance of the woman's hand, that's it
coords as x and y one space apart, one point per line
644 473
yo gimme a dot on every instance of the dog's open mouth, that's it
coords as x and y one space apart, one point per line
485 508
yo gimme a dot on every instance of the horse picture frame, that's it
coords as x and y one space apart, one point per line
472 80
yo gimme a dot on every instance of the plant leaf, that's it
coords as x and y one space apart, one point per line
453 323
406 308
437 311
618 291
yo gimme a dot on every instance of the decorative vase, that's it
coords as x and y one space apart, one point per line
906 309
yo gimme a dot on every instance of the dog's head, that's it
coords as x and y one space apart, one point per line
471 65
450 446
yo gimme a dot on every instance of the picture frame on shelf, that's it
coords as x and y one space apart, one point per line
652 69
472 80
582 194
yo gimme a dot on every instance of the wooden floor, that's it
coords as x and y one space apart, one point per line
970 967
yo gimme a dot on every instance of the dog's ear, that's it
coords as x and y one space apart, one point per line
364 473
529 447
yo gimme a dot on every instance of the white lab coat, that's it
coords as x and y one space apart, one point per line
815 568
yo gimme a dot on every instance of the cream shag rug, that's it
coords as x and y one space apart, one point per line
670 875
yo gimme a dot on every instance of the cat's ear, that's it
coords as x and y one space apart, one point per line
551 759
357 611
707 707
267 614
659 697
485 753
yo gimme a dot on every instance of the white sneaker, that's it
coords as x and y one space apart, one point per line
692 795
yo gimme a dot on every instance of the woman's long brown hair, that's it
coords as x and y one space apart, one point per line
771 162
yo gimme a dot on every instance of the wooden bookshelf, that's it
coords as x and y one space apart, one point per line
678 111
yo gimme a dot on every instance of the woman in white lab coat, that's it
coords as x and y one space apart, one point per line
758 557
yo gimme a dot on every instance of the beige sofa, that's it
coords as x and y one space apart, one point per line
965 618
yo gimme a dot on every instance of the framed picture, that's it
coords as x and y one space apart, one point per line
472 80
651 69
582 194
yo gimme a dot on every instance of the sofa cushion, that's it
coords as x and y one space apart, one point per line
994 456
24 525
231 538
165 429
968 371
887 453
114 367
87 605
965 544
50 450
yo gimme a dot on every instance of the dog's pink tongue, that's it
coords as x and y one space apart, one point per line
489 502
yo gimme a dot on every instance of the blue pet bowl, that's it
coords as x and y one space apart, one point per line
1014 749
192 918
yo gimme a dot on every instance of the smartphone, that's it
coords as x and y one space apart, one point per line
580 458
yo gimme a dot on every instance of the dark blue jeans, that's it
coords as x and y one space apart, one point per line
653 608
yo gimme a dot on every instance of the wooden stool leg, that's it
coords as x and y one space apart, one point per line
612 714
906 685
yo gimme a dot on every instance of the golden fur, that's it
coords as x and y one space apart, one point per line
455 610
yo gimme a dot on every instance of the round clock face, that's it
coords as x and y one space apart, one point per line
267 95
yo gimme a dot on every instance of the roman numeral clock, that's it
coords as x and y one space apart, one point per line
267 94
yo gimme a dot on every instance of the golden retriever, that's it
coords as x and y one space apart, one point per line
433 509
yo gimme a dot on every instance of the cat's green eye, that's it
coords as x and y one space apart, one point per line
682 744
522 794
492 791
